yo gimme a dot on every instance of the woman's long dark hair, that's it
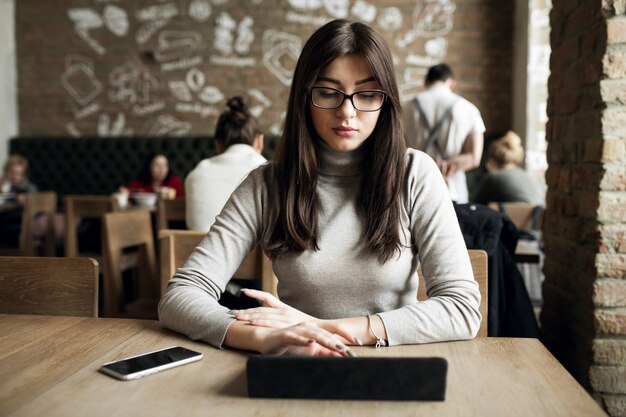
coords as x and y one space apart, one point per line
296 227
145 175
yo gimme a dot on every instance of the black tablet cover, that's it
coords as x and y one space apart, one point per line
363 378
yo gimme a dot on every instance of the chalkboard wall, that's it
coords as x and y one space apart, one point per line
166 68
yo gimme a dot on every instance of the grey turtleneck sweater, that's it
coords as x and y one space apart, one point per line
343 278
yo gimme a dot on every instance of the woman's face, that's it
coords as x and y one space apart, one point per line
15 174
159 168
345 128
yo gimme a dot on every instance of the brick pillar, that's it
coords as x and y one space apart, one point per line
584 314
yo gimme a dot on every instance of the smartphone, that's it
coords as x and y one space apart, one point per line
150 363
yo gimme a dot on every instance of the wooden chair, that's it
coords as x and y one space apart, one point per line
35 204
170 211
523 215
49 286
478 258
84 206
177 245
121 231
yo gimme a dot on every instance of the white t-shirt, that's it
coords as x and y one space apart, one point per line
465 120
209 186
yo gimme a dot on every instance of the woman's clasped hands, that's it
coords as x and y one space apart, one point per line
288 331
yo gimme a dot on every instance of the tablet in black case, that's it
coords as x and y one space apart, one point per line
369 378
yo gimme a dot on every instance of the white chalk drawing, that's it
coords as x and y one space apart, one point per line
116 20
176 44
436 50
390 19
258 95
200 109
195 79
131 84
436 47
364 11
108 128
72 130
306 18
225 40
430 19
84 20
86 111
211 94
144 109
195 83
79 79
264 102
155 17
166 125
181 64
280 54
180 90
412 82
200 10
305 4
232 61
337 8
277 128
245 36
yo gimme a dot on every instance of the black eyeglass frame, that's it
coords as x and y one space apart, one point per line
346 96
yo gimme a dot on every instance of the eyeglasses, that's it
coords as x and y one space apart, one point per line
329 98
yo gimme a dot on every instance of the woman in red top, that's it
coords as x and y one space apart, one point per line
156 177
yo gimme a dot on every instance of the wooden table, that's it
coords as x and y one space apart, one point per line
48 367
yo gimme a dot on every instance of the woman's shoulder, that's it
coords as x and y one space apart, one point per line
418 161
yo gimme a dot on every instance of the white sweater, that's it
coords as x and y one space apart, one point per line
343 278
212 181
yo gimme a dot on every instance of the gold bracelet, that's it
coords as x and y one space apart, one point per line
379 340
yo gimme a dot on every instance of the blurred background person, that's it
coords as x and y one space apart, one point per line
506 180
447 127
14 184
156 177
238 142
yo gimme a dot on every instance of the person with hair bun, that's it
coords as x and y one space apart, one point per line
506 180
238 142
347 215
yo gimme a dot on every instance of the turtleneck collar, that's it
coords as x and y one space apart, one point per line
340 163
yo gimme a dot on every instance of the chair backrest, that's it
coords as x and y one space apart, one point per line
521 214
177 245
478 258
123 230
35 204
169 211
84 206
49 286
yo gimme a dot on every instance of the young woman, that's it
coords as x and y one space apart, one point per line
346 213
156 176
507 181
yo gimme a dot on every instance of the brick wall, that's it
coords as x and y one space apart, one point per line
584 314
148 67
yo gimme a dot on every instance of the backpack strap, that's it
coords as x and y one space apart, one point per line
433 132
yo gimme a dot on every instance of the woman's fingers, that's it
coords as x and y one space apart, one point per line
307 339
265 298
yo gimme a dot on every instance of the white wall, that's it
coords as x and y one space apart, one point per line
8 80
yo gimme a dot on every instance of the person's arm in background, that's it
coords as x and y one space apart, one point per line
469 158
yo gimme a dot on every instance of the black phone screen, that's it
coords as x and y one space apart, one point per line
151 360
